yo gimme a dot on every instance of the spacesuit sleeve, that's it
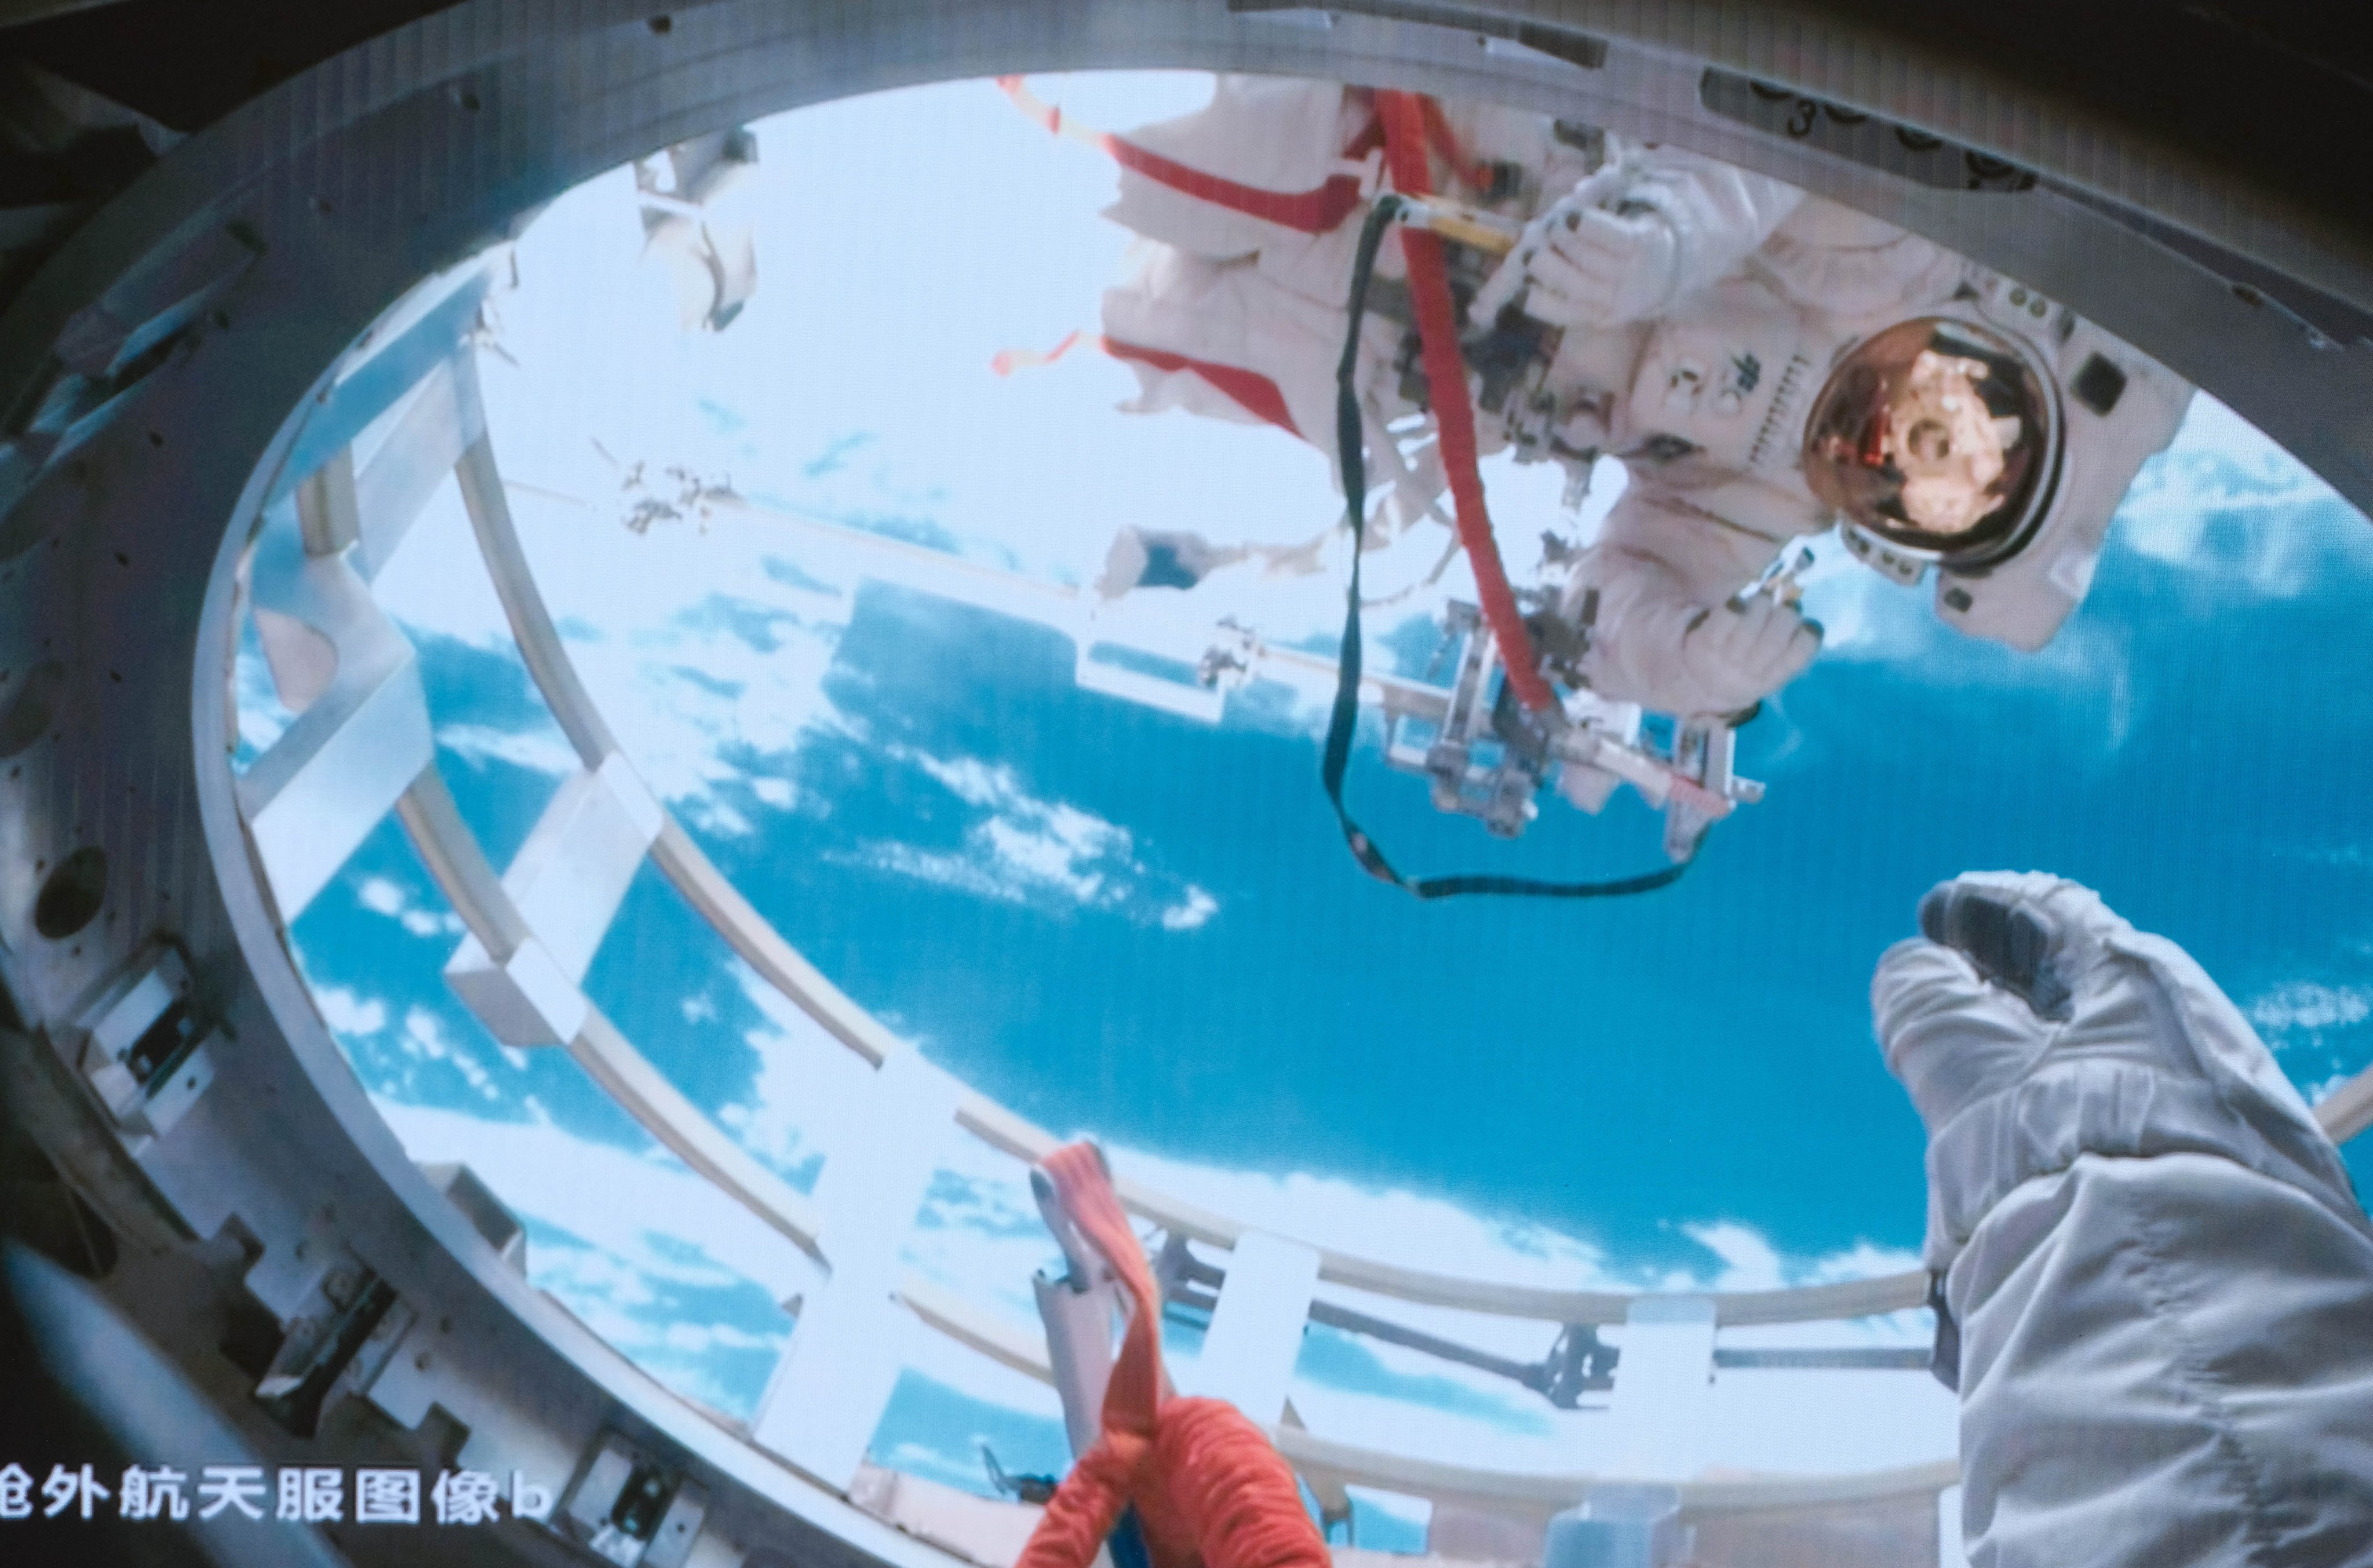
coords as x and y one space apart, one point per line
1848 265
2162 1281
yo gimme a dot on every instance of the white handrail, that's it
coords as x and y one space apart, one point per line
461 871
1324 1459
454 859
710 892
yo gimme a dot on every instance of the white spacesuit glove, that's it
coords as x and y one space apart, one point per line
1653 226
1599 268
2031 1025
2159 1283
1674 656
1735 655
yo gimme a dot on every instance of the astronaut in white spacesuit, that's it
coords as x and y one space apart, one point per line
1765 364
2161 1276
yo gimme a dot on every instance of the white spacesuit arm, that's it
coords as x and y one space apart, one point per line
1850 266
1665 627
2162 1282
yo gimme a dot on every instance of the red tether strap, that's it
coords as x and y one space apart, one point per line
1314 211
1444 142
1445 379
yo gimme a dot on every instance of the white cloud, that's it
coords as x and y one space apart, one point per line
1750 1261
806 1081
537 750
708 663
970 779
637 1313
1056 850
2226 501
2304 1006
698 1339
932 1465
424 1039
1026 850
349 1014
383 896
1194 910
961 872
2316 1094
687 646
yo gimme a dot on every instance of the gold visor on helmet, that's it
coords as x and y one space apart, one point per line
1936 435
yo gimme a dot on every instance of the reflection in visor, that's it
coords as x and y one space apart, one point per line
1934 435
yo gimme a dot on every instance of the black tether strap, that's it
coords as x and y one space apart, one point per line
1345 721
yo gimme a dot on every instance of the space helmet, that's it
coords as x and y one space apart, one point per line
1940 436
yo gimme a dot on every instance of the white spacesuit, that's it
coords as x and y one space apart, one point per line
1726 336
2161 1276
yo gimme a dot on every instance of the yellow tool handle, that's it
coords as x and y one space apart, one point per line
1463 225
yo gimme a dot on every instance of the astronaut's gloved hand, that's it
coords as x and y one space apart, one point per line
1593 267
1970 1007
1631 241
1733 656
2031 1025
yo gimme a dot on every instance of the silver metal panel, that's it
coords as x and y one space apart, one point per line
1079 1326
1257 1328
842 1364
567 883
1664 1384
573 872
526 998
436 426
336 771
325 506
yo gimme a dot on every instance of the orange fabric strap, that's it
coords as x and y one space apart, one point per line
1209 1490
